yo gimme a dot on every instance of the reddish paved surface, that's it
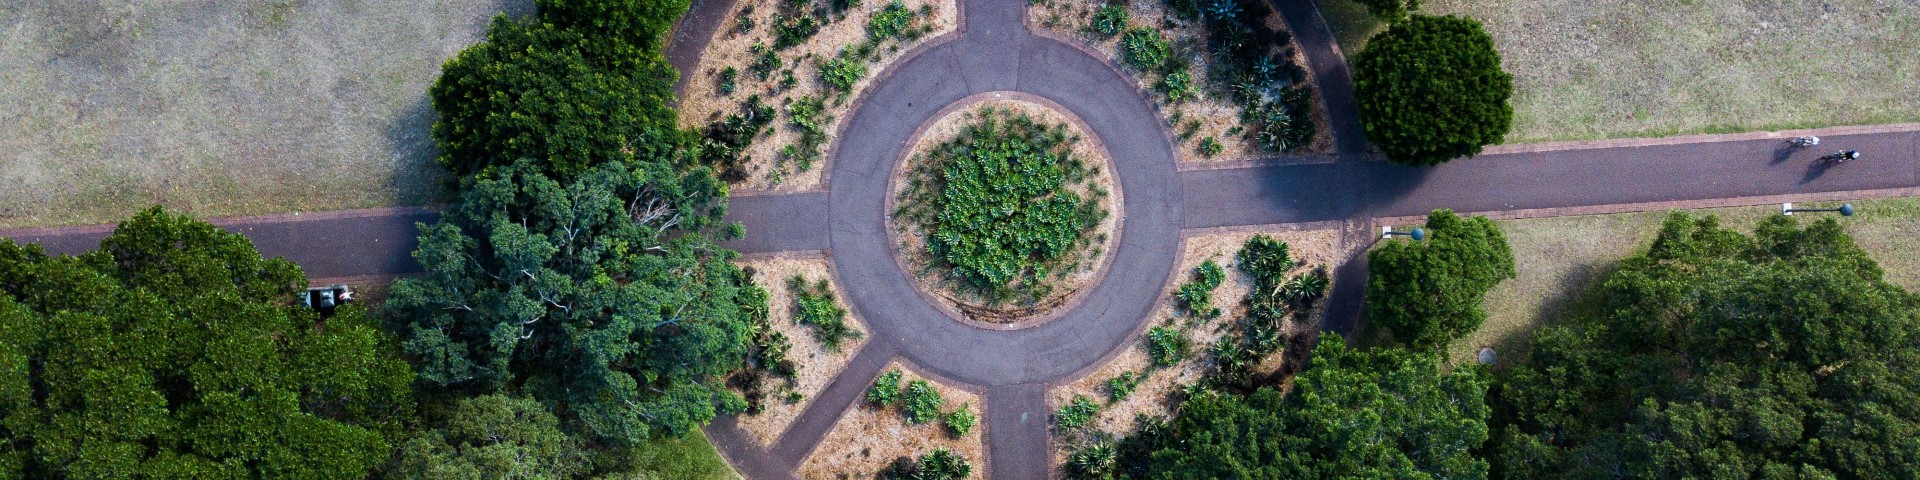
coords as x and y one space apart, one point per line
995 53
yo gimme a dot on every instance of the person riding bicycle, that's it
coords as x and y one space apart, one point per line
1806 141
1842 156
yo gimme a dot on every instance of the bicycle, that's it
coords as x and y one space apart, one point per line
1841 156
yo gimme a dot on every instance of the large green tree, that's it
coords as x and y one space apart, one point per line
1715 354
1381 413
492 437
1431 89
1429 292
175 351
568 98
598 295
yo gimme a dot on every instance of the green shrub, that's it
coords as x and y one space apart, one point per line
1427 293
961 421
721 143
1077 413
1266 259
923 402
1122 385
1431 89
885 390
790 32
1177 85
1284 124
807 115
765 61
1196 295
891 21
842 72
1210 147
1390 11
1110 20
940 464
1144 49
1095 462
815 306
1000 207
1166 345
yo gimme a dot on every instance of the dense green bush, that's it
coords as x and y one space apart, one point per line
1177 85
923 402
841 72
1093 462
940 464
176 351
891 21
1211 146
1145 49
1713 354
1166 345
1002 205
721 142
1427 293
492 436
1431 89
791 31
885 390
1196 295
1110 20
815 306
1122 385
960 421
806 114
1078 412
631 28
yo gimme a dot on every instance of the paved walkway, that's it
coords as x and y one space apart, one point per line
993 52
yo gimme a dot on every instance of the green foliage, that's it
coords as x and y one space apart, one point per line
885 390
1177 85
807 115
492 436
1145 49
176 351
1429 292
535 91
791 31
1166 345
722 142
1382 413
940 464
1210 146
1390 11
1431 89
1196 295
617 27
960 421
1110 20
1266 259
599 295
729 80
841 72
1077 413
765 61
1094 462
1713 354
923 402
1122 385
814 305
891 21
1283 124
1000 205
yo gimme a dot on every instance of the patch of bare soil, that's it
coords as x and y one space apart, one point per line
1085 264
1159 392
1213 114
815 365
704 103
867 439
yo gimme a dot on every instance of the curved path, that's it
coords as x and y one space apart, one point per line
992 51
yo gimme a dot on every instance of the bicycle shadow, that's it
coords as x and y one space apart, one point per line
1784 152
1816 169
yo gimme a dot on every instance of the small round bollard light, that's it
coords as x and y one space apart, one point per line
1846 210
1421 234
1486 356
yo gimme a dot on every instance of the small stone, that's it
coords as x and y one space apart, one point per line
1486 356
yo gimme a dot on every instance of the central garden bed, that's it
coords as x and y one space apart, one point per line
1004 210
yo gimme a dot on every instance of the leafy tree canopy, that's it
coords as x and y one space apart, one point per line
1715 354
1429 292
492 437
552 94
630 28
1382 413
1390 11
598 296
1430 89
175 351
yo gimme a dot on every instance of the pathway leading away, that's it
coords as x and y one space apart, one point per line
992 51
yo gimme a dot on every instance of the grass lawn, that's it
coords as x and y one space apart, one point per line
1592 69
221 108
691 458
1560 258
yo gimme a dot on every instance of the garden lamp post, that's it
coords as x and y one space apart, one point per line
1846 210
1417 233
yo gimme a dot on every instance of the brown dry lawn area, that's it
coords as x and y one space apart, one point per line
704 103
1559 258
1213 113
1085 262
816 366
222 108
1592 69
867 439
1156 394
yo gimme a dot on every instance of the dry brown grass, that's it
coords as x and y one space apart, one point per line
1560 258
866 440
1155 395
1213 113
703 102
222 108
1086 262
816 367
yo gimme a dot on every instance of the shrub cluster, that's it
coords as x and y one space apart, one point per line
940 464
960 421
814 305
1166 345
1196 295
922 402
1078 412
1122 385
